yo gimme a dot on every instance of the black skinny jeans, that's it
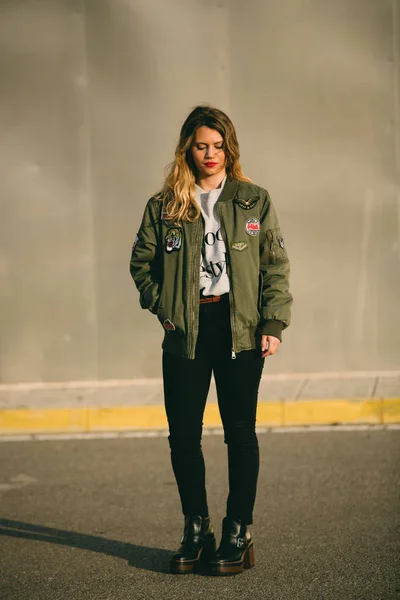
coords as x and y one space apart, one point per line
186 386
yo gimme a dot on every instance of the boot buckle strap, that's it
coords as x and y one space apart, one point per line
240 542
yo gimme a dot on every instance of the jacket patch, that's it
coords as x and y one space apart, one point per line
168 325
281 242
164 214
173 239
252 226
135 243
239 246
247 204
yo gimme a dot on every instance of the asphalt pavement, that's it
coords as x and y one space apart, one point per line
98 519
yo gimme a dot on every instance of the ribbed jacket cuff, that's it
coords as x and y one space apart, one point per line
272 327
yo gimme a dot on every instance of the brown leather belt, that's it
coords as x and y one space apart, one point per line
209 299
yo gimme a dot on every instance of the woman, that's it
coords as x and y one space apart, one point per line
209 260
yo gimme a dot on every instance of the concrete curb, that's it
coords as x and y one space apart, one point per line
287 400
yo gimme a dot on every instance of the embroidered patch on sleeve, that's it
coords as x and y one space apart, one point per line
239 246
135 242
168 325
252 226
173 239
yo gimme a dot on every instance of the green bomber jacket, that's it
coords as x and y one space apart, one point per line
165 265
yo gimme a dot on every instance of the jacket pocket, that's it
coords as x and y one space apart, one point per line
166 315
160 306
260 291
148 298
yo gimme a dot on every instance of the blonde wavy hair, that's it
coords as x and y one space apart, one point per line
178 191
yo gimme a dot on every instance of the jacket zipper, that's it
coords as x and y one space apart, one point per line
196 302
229 271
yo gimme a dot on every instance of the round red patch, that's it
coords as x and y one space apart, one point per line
253 226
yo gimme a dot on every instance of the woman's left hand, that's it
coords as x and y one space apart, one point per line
269 345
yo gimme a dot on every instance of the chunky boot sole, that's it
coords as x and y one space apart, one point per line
181 567
201 562
232 568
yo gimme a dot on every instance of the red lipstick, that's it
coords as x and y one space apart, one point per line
210 164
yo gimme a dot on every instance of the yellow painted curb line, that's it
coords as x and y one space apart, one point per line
310 412
270 414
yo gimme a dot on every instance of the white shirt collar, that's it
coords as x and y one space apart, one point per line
200 190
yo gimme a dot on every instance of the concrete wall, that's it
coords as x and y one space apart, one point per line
93 93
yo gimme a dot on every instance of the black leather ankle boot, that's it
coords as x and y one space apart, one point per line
198 543
235 552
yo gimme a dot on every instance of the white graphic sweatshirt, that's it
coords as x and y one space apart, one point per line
214 279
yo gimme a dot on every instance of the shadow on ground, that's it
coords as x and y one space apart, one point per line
141 557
